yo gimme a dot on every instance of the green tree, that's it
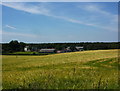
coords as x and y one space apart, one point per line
22 45
14 46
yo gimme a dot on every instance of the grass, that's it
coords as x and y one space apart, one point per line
96 69
28 53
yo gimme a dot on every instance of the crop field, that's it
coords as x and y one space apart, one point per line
97 69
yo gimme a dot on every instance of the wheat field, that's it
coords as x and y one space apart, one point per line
95 69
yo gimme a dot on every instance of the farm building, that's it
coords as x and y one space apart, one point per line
79 48
26 48
62 51
47 50
59 51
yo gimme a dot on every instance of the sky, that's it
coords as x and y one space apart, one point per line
59 0
44 22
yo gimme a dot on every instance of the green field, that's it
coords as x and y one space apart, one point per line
96 69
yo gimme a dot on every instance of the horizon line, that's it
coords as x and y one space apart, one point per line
64 42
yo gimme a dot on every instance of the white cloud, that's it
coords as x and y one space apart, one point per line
11 27
93 8
18 34
37 10
98 12
7 36
42 10
27 8
97 9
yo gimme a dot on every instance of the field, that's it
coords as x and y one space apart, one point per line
96 69
27 53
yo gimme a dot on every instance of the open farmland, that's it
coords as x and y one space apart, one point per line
96 69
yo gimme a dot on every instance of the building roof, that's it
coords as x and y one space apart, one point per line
78 47
47 50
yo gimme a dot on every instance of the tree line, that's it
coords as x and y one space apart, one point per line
15 46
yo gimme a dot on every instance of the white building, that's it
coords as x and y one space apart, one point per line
26 48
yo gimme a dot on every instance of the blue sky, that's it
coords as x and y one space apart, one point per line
60 22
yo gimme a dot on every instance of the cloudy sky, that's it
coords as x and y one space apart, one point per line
60 21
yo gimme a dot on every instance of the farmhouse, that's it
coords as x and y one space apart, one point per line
47 50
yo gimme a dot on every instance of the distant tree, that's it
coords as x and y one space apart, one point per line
59 47
14 46
22 45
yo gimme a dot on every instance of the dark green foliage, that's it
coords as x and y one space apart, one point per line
86 45
22 45
15 46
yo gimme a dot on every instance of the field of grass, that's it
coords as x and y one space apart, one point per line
27 53
96 69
